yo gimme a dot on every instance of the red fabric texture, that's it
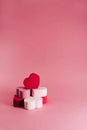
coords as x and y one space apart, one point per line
32 82
18 102
44 99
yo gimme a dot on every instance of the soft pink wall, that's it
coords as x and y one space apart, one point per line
49 38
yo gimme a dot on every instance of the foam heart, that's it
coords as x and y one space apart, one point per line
32 82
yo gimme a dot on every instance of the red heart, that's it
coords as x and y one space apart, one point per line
32 82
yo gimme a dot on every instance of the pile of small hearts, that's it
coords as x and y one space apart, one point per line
31 95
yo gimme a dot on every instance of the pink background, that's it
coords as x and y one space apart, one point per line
48 37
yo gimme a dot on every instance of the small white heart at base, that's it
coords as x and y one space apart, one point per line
33 102
29 103
40 92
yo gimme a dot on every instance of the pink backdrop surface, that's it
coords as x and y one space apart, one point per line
50 38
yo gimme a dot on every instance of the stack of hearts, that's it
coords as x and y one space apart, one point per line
31 95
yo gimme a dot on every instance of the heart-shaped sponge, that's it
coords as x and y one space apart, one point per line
32 82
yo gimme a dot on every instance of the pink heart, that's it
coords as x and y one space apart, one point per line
32 82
